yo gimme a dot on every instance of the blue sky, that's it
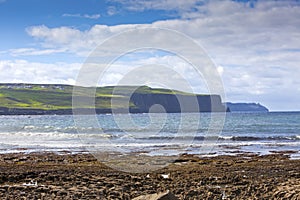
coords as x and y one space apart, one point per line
255 44
18 15
76 14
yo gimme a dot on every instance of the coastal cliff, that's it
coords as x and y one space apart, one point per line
246 107
32 99
177 103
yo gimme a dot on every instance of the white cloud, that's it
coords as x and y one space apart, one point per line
22 71
87 16
167 5
228 26
156 71
203 8
74 40
34 52
66 38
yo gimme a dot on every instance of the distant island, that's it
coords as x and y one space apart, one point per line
246 107
39 99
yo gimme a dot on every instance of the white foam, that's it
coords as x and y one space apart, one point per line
226 137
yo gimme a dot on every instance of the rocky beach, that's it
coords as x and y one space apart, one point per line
81 176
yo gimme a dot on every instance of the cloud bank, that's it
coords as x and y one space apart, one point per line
22 71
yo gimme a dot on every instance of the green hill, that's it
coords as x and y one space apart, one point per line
52 97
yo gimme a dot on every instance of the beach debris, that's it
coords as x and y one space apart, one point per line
148 176
165 176
167 195
224 195
31 183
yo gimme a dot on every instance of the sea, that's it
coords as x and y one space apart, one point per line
204 134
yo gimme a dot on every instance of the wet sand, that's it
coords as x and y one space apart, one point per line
81 176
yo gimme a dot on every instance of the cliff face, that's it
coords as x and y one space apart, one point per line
30 99
176 103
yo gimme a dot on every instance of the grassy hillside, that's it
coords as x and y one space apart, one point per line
53 97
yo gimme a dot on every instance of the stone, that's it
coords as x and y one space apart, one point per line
159 196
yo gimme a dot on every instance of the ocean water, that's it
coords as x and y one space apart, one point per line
154 134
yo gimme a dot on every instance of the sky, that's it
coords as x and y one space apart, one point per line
255 44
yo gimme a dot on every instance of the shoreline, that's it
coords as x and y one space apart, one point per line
219 151
98 111
47 175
